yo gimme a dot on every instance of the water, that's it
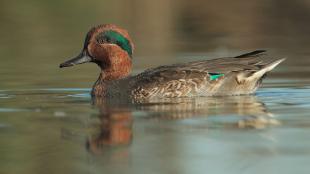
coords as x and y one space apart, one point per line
58 130
50 124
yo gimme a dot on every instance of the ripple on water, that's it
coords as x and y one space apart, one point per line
12 110
82 95
5 96
294 96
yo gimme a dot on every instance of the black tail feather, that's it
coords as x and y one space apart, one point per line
252 54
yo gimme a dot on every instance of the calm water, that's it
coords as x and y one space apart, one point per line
50 124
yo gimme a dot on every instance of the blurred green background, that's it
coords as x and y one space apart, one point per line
38 35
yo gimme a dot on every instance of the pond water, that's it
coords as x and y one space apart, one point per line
59 130
50 124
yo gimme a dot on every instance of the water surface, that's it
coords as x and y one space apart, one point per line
60 130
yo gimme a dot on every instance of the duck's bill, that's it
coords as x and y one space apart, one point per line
81 58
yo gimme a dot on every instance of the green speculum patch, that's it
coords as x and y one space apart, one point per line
115 38
214 76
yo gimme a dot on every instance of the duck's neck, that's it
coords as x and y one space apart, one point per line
119 69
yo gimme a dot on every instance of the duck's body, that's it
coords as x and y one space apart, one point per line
221 76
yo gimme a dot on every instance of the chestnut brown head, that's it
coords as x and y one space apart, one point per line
105 45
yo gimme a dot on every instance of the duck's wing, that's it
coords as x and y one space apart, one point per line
251 62
193 74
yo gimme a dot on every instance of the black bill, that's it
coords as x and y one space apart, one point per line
81 58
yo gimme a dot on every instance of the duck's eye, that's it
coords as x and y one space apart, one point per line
101 40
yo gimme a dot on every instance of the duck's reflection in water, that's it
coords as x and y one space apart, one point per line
116 119
253 113
114 129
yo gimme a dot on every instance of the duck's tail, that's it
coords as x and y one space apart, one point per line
266 68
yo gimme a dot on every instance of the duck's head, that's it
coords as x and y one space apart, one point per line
109 46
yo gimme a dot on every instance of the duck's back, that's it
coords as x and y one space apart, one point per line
222 76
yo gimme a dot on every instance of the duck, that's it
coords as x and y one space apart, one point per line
111 48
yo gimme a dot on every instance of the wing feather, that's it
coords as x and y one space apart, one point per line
197 71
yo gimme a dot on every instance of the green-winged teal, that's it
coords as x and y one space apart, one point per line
111 48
